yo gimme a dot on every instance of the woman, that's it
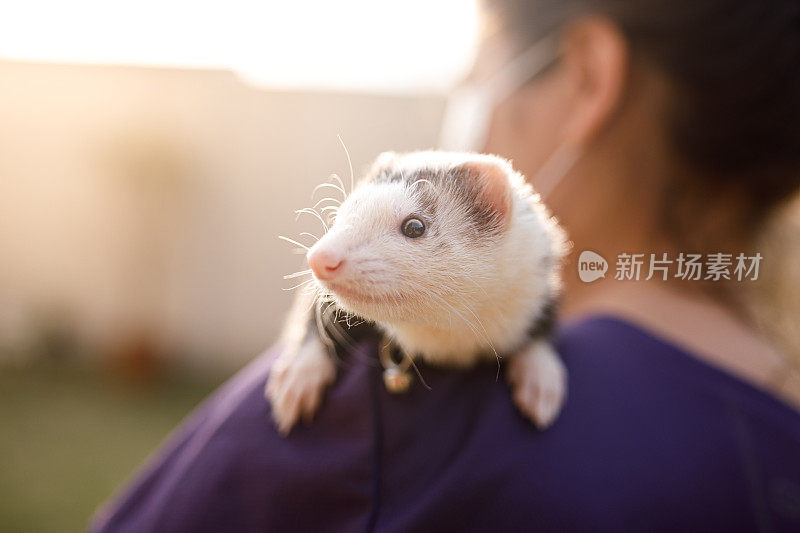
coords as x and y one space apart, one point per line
662 127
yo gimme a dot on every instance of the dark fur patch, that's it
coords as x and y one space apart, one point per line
544 325
459 183
355 331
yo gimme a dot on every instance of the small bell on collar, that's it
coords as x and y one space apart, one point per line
396 377
397 381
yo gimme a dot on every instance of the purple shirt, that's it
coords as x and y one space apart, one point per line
650 439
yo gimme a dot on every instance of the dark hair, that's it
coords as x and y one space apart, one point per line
735 68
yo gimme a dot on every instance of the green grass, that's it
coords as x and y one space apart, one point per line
69 437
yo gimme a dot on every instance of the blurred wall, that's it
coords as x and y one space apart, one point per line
146 203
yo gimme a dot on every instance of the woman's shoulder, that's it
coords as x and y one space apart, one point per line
647 434
608 351
226 468
660 425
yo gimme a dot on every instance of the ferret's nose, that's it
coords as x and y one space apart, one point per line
324 263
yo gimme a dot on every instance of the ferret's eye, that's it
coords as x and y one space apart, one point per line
413 228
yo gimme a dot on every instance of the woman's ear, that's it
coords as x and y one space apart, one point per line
596 65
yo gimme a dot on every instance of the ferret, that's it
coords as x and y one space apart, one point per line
454 259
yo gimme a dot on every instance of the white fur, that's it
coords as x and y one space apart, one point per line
447 306
539 381
447 297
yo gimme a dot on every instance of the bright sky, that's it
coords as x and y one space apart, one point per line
363 45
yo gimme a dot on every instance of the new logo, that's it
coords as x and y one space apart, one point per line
591 266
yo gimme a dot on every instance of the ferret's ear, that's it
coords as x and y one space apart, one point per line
384 163
493 186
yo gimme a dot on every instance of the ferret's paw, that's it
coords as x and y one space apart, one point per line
539 383
296 384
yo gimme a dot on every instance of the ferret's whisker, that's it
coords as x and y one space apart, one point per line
350 163
313 300
287 239
472 326
323 333
306 282
307 291
310 235
488 298
486 334
416 369
297 274
327 199
308 210
337 329
450 306
329 208
336 177
330 185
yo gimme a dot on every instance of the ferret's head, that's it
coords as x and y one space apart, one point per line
422 233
